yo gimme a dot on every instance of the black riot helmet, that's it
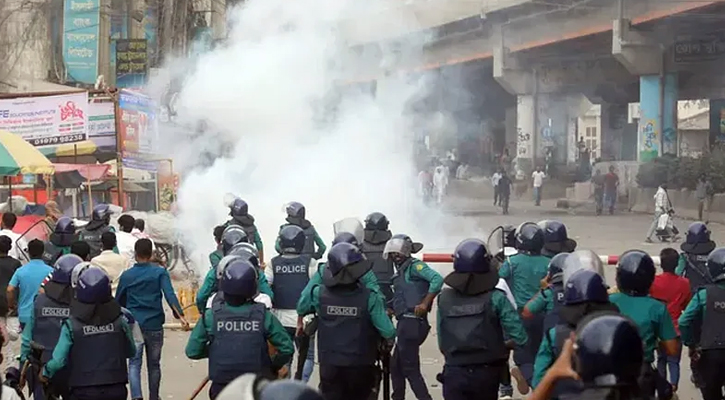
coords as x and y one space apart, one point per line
376 221
295 210
716 264
292 239
556 238
65 226
345 237
529 238
238 208
101 212
697 233
635 273
232 235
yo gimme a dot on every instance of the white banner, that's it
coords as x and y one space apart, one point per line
102 123
47 121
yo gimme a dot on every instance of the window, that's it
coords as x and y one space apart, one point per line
592 131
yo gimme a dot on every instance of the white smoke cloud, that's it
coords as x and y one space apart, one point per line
260 95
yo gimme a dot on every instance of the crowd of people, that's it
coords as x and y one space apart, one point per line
367 306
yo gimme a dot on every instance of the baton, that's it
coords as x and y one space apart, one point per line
199 388
385 360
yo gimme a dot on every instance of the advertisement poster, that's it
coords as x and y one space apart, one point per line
132 63
47 121
168 183
102 124
138 130
80 39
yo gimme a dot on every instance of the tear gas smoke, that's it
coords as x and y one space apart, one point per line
260 97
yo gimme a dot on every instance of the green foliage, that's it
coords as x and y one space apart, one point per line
683 172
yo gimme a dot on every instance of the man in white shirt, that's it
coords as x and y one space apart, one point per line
114 264
494 180
538 177
20 246
662 206
125 239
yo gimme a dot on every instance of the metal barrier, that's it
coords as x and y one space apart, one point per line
447 258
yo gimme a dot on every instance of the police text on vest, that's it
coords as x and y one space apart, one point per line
290 269
55 312
98 329
237 326
342 311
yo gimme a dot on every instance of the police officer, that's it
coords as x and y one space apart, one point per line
556 238
352 320
51 307
473 319
693 259
239 211
289 275
549 300
234 333
635 274
415 286
609 356
296 217
99 224
376 234
216 255
257 387
585 294
706 310
523 272
59 242
95 341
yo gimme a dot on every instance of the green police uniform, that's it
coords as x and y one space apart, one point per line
651 317
524 273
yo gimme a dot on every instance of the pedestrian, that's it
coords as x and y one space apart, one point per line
703 311
239 213
375 234
635 275
50 309
475 321
523 272
216 255
504 191
675 292
538 178
352 325
97 339
296 216
289 275
415 286
494 181
124 238
100 223
19 245
234 333
112 263
440 183
611 186
8 266
598 182
140 289
139 229
703 194
26 280
59 241
662 206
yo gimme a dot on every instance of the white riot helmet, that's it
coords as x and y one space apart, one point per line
582 259
401 244
76 274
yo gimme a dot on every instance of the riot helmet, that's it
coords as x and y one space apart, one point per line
295 210
376 221
94 286
472 256
239 279
400 247
582 259
238 208
76 272
63 268
556 268
345 237
345 265
245 251
529 238
65 226
716 264
292 239
257 387
697 240
556 238
635 273
231 236
101 212
585 286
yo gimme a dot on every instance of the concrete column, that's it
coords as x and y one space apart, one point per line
658 120
525 126
553 127
613 130
218 19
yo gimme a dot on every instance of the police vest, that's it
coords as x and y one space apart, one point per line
407 295
382 268
565 386
93 238
49 314
347 336
552 317
290 279
713 334
696 271
309 248
470 329
250 230
239 345
51 253
98 355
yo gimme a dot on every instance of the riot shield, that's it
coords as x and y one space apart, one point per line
495 241
39 229
350 225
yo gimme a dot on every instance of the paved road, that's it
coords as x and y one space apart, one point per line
606 235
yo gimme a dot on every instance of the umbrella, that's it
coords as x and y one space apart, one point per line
20 157
70 149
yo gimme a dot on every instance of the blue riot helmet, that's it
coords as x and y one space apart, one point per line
345 237
556 238
238 208
247 252
585 286
376 221
635 273
63 268
608 351
556 268
232 235
471 256
65 225
697 240
345 265
292 239
529 238
716 264
239 279
94 286
257 387
101 212
295 210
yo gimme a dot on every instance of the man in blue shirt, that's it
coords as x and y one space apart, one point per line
26 280
139 290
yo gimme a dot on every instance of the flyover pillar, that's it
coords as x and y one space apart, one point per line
657 133
525 133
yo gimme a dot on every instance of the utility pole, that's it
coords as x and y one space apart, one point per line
167 28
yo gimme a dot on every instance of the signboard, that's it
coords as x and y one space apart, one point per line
47 121
132 62
81 20
138 129
699 48
102 123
